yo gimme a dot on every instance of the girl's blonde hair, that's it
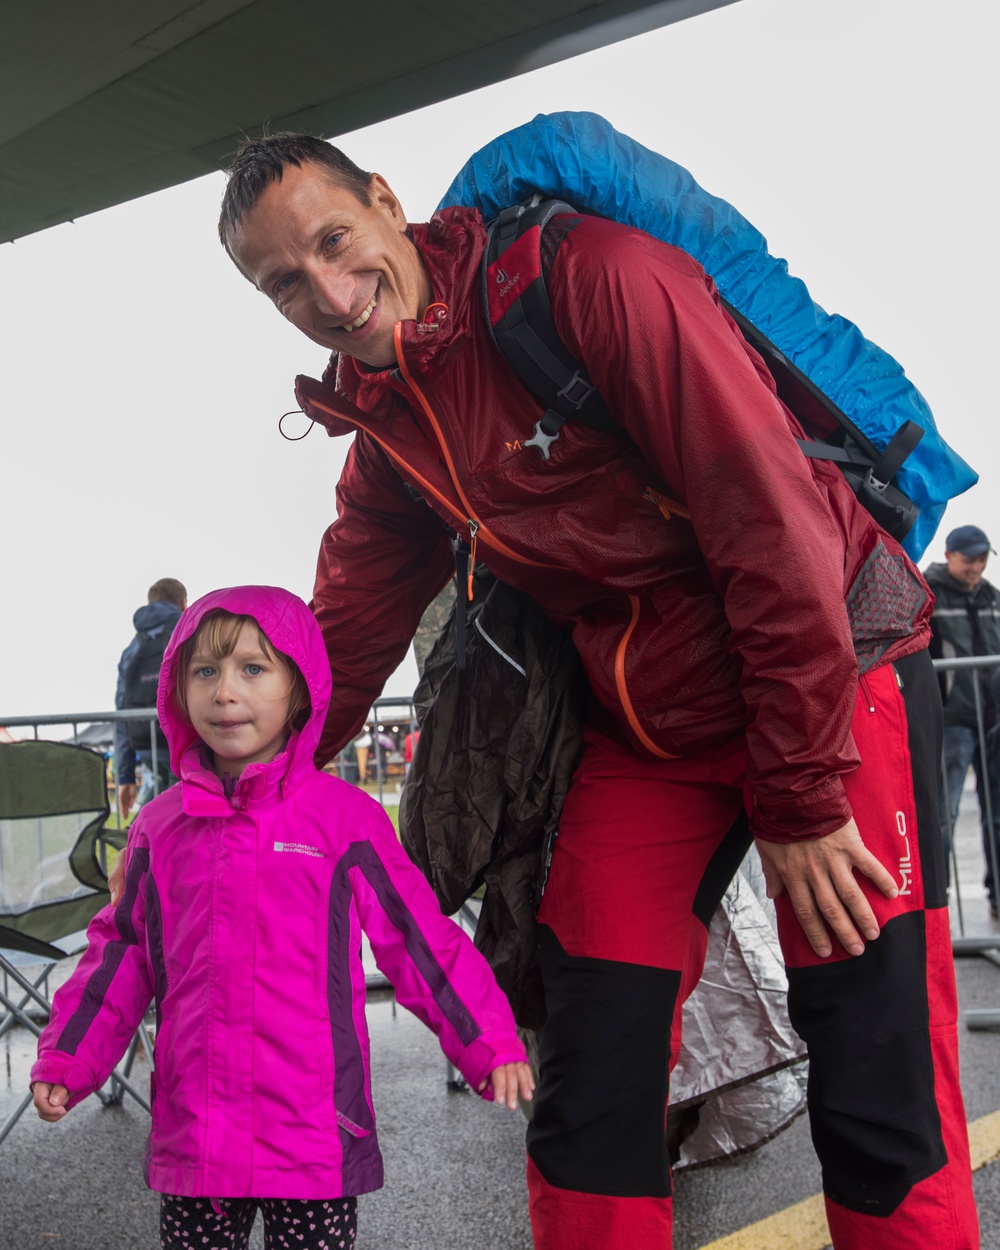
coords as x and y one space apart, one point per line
218 633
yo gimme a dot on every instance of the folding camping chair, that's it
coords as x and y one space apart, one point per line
53 805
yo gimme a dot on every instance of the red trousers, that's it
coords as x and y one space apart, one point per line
644 853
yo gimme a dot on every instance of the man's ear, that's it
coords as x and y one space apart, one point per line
383 197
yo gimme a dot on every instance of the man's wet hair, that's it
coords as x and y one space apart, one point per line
259 162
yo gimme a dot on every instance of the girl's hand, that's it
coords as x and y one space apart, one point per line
116 882
50 1100
509 1080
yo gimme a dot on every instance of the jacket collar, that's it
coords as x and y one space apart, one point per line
205 794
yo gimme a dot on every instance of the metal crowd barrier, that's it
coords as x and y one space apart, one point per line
986 946
75 719
378 707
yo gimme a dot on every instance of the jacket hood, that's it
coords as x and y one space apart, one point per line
290 627
152 617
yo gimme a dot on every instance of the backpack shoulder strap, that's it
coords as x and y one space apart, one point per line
519 314
834 436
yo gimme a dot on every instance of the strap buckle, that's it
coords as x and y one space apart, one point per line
541 439
577 390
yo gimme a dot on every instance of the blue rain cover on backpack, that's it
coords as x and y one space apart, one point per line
581 158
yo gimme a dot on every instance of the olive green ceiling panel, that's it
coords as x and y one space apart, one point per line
105 100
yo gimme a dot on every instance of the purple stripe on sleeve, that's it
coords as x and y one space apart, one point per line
97 986
349 1070
349 1080
154 941
417 946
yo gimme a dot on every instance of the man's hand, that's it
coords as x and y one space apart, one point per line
50 1100
126 798
818 874
509 1080
116 882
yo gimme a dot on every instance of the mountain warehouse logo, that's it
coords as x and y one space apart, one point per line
299 848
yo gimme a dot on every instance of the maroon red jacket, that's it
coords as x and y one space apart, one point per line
729 612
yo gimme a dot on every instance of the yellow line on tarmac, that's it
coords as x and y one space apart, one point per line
804 1226
984 1140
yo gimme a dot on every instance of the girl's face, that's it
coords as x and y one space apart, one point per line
238 704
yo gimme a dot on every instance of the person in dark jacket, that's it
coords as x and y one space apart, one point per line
966 622
166 599
756 654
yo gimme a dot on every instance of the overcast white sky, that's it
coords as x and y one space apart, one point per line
142 377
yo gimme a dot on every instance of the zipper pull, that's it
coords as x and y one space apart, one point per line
667 506
473 531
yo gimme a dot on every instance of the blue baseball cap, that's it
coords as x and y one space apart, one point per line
968 540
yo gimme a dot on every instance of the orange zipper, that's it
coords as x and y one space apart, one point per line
476 526
667 506
623 694
425 485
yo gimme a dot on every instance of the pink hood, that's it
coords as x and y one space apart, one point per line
291 627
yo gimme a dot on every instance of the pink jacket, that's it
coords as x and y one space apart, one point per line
242 916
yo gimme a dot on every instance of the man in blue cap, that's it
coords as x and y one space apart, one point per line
966 622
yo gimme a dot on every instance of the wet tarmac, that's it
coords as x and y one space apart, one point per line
454 1165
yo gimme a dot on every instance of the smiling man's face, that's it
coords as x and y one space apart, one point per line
341 271
966 570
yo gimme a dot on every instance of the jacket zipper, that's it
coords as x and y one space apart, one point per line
471 517
622 688
473 534
476 528
668 507
866 689
425 485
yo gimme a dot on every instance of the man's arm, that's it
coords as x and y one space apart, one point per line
380 563
677 374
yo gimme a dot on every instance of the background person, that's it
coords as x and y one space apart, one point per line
409 746
719 588
966 622
138 671
238 881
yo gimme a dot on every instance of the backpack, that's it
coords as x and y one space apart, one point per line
525 334
141 679
845 390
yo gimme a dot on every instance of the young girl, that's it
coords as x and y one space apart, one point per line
247 887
